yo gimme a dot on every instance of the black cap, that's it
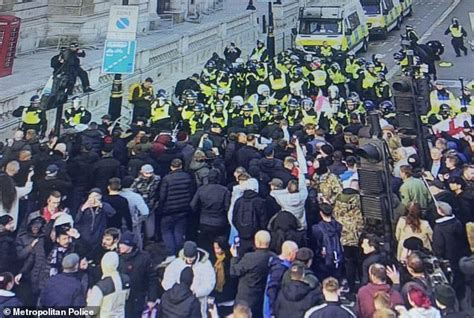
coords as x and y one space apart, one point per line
128 238
95 190
187 276
446 295
413 243
149 80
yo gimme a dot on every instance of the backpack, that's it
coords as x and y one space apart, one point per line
245 218
332 243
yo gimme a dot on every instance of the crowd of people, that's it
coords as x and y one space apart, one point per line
239 195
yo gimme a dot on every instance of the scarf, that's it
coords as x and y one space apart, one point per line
220 275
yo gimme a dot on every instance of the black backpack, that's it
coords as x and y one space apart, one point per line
332 243
245 218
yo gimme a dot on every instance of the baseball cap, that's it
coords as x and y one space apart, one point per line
268 151
128 238
52 169
96 190
190 249
276 183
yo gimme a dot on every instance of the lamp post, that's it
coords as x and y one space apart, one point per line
270 35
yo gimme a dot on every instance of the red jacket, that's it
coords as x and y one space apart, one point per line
365 299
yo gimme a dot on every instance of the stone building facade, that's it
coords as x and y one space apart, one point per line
47 23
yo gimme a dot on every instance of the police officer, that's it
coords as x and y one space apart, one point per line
77 114
458 33
160 112
278 84
382 88
445 112
32 117
338 78
207 88
187 109
326 50
219 115
293 113
411 35
388 112
263 114
310 116
198 120
318 77
380 66
141 96
440 95
259 53
368 83
251 121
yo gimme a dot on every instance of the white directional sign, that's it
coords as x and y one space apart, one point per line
123 21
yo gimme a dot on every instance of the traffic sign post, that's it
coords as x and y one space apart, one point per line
119 50
119 57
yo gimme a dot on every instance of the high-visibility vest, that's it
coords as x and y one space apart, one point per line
351 66
160 112
379 88
326 51
455 32
196 123
369 80
141 91
337 77
319 78
296 86
31 117
257 55
74 116
220 119
292 118
379 68
277 83
187 112
225 86
207 89
309 119
248 121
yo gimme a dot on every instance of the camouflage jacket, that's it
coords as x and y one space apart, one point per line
347 211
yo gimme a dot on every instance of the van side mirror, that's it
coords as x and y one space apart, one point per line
294 31
348 31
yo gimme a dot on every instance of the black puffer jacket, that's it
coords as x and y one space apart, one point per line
7 252
93 138
246 154
80 169
105 169
295 298
179 302
176 192
213 201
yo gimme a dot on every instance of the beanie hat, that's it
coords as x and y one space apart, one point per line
187 276
128 238
446 295
70 261
413 243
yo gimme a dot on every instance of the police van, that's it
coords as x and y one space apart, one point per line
383 16
339 23
406 8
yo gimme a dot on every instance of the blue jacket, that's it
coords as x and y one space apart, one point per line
63 290
278 267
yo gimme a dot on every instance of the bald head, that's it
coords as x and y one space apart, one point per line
262 239
288 250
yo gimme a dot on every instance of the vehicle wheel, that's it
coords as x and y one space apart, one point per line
410 12
365 46
384 34
399 24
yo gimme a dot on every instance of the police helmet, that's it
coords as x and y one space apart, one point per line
293 103
191 95
219 104
198 107
387 107
35 99
221 91
307 103
398 56
210 64
378 57
263 104
333 91
381 76
370 65
444 108
237 101
162 93
247 107
369 105
276 110
335 66
354 96
350 54
262 89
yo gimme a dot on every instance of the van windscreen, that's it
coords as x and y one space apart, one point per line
320 26
371 6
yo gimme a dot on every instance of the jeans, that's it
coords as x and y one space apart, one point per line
173 230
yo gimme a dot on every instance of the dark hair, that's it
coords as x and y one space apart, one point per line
373 240
176 163
378 271
115 184
149 80
7 192
413 216
326 209
5 279
407 169
112 231
415 263
127 181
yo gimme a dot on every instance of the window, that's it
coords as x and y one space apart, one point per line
354 21
320 27
388 4
371 6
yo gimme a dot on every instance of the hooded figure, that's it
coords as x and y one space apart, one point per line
179 301
111 292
